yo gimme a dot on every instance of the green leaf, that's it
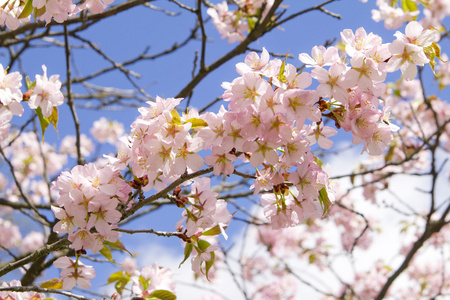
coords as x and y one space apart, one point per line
203 245
53 119
212 231
30 85
176 119
197 122
145 282
53 283
187 252
122 279
251 20
163 295
43 121
209 264
238 17
325 201
409 5
281 76
312 258
106 252
117 245
28 8
119 275
318 162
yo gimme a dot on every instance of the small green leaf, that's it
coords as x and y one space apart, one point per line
409 5
203 245
251 20
197 122
53 283
106 252
30 85
53 119
187 252
176 119
238 17
209 264
43 121
281 76
163 295
117 245
27 10
318 162
212 231
145 282
122 279
324 200
115 277
312 258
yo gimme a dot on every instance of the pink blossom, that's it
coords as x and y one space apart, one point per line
377 143
9 295
332 82
227 23
107 131
320 134
222 161
253 63
10 93
260 152
159 278
10 236
46 94
32 241
393 17
364 73
68 142
359 42
321 57
74 273
59 10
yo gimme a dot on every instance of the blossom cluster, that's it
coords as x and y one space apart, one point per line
14 13
273 122
206 216
19 295
232 25
434 12
88 198
74 273
45 94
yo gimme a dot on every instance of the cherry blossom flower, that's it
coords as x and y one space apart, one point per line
74 273
107 131
46 94
32 241
9 295
253 63
377 143
393 17
10 236
68 142
320 57
159 278
222 161
407 49
332 82
320 134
